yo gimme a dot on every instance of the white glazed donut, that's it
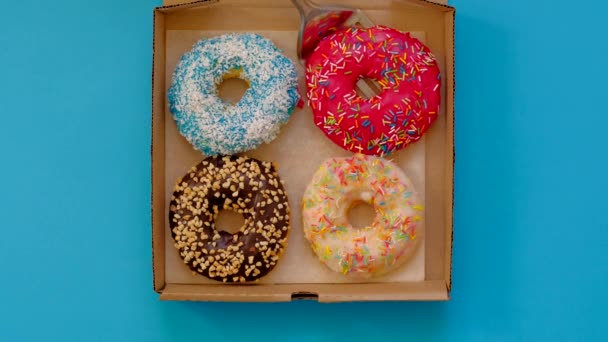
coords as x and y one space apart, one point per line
370 251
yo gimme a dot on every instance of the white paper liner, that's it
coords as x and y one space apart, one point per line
298 151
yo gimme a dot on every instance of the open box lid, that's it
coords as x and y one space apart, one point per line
436 287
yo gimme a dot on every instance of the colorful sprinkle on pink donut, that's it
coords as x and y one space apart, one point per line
404 68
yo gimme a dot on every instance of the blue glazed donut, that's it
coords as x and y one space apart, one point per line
216 127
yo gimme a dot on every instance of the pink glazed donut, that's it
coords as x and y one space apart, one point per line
399 115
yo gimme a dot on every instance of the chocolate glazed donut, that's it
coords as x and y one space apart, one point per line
244 185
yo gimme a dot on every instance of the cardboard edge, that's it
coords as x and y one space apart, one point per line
430 4
186 4
430 290
324 293
158 261
183 4
451 64
230 293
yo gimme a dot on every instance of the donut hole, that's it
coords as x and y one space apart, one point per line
232 89
367 88
229 221
361 214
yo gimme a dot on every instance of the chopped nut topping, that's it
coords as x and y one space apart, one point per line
255 192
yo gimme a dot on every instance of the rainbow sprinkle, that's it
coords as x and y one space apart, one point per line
361 252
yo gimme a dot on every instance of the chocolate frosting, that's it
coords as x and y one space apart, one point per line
241 184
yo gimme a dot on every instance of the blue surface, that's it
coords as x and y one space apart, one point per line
531 236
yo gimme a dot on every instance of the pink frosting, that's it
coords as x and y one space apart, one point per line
399 115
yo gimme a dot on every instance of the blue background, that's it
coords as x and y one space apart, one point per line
531 235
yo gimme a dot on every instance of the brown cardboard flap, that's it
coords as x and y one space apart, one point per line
427 290
275 3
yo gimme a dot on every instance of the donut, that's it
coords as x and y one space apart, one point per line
216 127
241 184
370 251
404 68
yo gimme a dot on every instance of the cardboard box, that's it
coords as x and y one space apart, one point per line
176 26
